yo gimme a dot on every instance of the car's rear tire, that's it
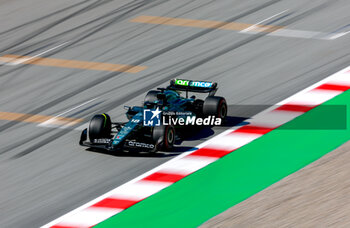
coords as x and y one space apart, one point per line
164 137
215 106
151 96
100 127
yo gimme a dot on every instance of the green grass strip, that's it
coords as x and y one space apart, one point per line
243 173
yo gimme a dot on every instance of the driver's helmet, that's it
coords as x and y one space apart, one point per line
171 95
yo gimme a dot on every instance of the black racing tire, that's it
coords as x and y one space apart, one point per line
215 106
100 127
164 136
151 96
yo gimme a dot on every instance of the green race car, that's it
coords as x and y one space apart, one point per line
153 126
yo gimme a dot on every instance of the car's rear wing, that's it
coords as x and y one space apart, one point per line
193 86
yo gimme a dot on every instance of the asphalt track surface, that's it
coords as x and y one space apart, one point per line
44 173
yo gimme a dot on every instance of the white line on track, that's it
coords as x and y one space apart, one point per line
51 122
260 22
292 33
81 127
337 35
24 59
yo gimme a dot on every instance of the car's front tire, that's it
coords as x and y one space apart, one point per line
100 127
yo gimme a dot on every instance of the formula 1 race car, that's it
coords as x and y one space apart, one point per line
145 131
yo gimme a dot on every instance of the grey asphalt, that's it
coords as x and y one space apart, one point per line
44 173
